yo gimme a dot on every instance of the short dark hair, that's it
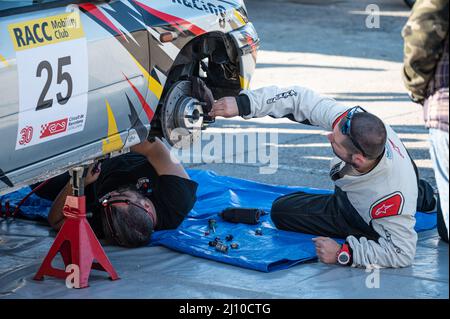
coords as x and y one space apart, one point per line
131 226
369 132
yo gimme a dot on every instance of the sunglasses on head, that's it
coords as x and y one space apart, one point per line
346 127
107 202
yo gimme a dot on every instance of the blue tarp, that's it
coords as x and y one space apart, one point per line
273 251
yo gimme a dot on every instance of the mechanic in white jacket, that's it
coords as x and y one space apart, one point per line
377 190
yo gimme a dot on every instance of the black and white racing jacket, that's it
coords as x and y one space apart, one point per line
385 197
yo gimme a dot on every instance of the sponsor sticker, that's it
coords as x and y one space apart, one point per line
26 135
390 205
52 65
50 30
53 128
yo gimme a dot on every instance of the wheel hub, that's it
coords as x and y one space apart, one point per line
182 115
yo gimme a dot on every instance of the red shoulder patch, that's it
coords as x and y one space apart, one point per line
390 205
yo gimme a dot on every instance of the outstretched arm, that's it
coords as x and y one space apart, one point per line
159 157
56 215
297 103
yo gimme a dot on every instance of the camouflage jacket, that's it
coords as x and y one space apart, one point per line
424 35
436 104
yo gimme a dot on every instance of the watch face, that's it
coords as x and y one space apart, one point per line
343 258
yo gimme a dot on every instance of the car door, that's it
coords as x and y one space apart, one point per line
69 86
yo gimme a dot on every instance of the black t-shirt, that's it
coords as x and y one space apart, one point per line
173 196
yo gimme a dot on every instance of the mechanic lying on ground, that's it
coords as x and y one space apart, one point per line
377 190
131 196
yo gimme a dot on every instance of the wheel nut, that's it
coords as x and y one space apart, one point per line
222 248
212 244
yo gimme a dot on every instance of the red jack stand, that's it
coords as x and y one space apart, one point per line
76 240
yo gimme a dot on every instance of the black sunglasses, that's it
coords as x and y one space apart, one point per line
346 127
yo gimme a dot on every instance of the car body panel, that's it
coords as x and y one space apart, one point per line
126 67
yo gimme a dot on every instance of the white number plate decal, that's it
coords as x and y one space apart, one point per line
52 67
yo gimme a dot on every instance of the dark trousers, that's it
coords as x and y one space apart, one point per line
332 215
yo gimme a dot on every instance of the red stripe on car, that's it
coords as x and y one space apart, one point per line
174 21
148 110
92 9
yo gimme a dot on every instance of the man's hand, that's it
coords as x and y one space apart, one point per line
93 173
141 148
225 107
327 249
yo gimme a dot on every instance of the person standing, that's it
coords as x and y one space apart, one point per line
425 74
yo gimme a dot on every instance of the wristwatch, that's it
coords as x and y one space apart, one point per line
344 255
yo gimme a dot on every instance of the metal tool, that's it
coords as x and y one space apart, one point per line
212 243
222 248
249 216
212 224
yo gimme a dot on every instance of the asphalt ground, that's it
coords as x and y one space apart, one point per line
326 46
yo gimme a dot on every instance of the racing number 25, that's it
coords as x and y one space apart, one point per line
61 77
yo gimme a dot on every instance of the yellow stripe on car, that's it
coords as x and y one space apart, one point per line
154 86
239 17
3 60
113 142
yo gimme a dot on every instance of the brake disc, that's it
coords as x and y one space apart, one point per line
182 115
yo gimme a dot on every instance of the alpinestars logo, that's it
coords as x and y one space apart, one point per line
390 205
383 210
283 95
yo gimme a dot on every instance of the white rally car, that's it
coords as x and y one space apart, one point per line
81 80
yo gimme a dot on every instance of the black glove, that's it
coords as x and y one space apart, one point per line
202 93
